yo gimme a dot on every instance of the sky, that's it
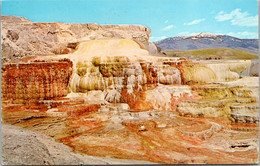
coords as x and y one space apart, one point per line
166 18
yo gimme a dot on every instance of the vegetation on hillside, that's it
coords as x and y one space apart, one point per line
214 53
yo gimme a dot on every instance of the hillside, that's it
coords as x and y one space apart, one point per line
207 40
214 53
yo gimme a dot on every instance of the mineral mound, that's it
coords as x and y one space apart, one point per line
110 97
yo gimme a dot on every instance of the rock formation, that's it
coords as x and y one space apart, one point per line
21 37
110 97
29 82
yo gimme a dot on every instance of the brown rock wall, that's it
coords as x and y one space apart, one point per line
30 82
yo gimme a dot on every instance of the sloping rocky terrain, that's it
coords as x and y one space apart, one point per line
111 97
24 147
21 38
207 40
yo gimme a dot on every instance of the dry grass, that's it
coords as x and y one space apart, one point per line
215 53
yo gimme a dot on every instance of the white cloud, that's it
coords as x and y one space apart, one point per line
237 17
166 21
223 17
248 21
157 38
244 35
168 27
195 21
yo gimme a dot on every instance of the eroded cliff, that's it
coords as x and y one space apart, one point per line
24 83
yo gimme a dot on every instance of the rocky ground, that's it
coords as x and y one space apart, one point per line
24 147
206 123
110 97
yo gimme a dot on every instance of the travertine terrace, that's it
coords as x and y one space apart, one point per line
110 97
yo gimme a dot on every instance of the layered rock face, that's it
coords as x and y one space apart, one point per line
110 97
24 83
21 37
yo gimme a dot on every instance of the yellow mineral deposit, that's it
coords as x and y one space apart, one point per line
91 54
215 71
228 70
199 74
111 50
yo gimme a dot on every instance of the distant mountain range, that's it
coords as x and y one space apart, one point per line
208 40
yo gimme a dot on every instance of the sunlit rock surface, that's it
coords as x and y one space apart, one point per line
21 38
110 97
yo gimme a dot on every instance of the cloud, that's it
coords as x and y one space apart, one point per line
157 38
168 27
166 21
224 17
195 21
237 17
244 35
